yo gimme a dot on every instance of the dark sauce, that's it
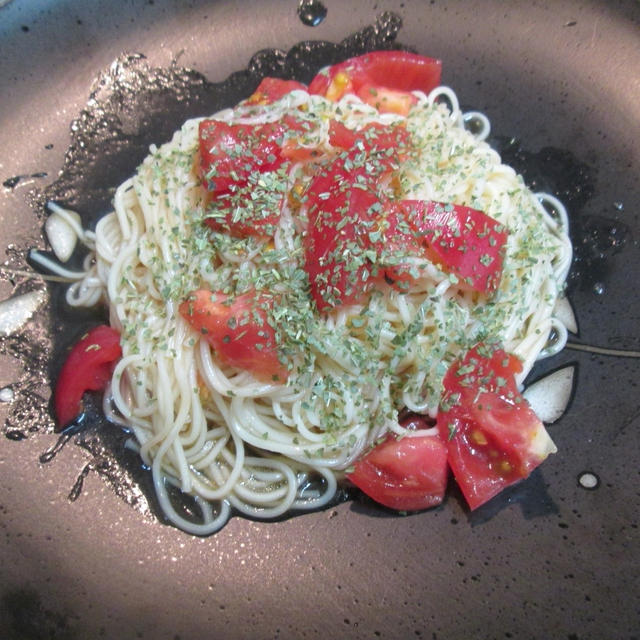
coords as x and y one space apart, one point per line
596 239
14 181
16 435
29 410
133 106
52 452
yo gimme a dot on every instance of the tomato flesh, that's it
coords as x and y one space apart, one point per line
335 254
394 242
240 166
88 367
238 329
406 474
387 100
345 204
464 241
493 436
272 89
341 136
229 153
383 79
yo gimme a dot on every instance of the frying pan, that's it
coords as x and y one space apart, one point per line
560 82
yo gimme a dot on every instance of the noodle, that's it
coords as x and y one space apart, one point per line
264 448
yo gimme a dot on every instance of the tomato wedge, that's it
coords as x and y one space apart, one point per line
493 436
383 79
88 367
241 167
230 153
343 205
393 241
251 209
335 244
272 89
238 329
406 474
382 146
464 241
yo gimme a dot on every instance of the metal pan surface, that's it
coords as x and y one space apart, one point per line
552 558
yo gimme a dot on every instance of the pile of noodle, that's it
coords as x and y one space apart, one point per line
233 442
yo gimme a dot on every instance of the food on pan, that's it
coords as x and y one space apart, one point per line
325 285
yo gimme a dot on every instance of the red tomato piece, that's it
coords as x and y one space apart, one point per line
341 136
88 367
397 71
464 241
335 244
296 144
259 207
394 241
230 153
387 100
272 89
238 329
346 230
383 147
240 166
406 474
493 436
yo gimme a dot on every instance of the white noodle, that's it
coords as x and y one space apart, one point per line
232 441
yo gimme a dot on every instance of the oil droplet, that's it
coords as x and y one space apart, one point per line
76 490
10 183
311 12
16 435
598 288
50 454
588 480
7 394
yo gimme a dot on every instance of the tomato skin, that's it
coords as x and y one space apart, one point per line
229 153
272 89
88 367
345 206
464 241
396 242
234 159
335 255
397 72
493 437
238 330
406 474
